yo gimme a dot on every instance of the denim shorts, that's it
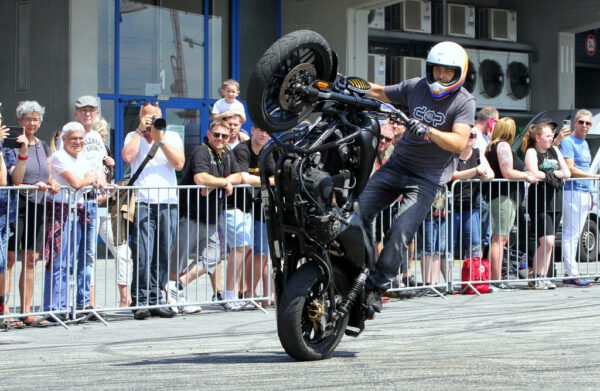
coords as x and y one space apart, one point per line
4 235
261 240
434 237
238 229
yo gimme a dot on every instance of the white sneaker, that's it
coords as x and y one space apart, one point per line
186 308
250 307
172 295
234 306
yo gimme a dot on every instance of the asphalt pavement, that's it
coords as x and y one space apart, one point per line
510 340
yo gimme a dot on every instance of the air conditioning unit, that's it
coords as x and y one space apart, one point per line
461 20
376 18
471 80
497 24
410 15
403 68
502 79
376 69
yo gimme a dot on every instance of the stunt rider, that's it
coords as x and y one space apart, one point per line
441 116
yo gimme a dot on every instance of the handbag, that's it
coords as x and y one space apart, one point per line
475 269
122 202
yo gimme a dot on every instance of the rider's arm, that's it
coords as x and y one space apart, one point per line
453 141
378 92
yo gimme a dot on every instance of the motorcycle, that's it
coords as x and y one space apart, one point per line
320 253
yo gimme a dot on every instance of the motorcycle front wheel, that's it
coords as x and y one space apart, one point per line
304 327
298 58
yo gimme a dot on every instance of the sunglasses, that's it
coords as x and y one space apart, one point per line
154 103
220 135
586 123
472 135
387 139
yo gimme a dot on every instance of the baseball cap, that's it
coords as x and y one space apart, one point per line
87 100
549 121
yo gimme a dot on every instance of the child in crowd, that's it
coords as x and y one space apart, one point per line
229 105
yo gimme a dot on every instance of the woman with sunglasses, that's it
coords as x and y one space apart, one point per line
71 172
472 164
31 168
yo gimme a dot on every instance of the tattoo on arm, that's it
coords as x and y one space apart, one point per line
505 156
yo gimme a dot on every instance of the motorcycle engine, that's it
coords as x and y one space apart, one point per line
319 186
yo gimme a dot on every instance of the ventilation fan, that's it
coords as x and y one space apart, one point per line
492 76
518 77
471 78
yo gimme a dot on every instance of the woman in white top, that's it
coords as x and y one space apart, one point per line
61 246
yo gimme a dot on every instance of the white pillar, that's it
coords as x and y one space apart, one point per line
83 49
357 45
566 70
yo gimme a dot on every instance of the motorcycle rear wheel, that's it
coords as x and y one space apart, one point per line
300 338
298 57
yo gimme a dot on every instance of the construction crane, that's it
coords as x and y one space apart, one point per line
179 86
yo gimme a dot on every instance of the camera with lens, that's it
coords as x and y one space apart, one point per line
159 123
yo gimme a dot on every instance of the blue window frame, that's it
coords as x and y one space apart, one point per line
204 104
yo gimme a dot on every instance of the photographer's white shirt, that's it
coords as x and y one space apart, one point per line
157 173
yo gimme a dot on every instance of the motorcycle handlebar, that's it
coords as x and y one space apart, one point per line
371 104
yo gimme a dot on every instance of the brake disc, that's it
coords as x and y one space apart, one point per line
302 74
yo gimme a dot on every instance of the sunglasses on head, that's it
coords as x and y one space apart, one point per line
581 122
387 139
220 135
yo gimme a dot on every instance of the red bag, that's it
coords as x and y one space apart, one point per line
476 269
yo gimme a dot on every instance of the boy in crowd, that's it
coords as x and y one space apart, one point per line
229 105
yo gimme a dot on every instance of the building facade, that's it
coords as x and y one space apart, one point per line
179 51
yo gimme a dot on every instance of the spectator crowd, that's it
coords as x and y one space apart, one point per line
181 228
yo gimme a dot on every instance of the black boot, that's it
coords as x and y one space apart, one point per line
374 294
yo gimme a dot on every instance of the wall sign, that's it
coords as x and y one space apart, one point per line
591 44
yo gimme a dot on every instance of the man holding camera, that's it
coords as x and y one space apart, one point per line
155 221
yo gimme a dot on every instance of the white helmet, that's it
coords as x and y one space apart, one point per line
451 55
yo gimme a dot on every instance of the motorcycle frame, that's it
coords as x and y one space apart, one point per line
290 243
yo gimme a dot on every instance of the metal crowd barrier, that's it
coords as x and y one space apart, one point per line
467 235
428 262
74 279
68 277
529 256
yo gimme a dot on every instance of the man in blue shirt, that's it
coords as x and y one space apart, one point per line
576 196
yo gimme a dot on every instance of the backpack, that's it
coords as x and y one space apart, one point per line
476 269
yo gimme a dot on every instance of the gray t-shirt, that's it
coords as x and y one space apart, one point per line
421 157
